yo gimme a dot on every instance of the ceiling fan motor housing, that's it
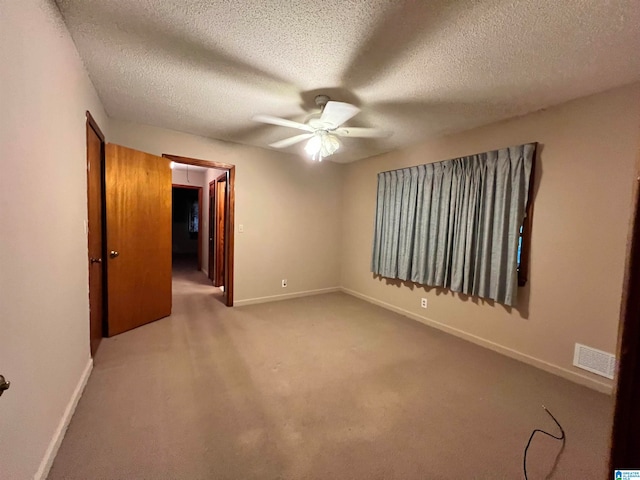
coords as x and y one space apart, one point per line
321 101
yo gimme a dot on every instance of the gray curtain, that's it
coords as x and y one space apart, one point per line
455 224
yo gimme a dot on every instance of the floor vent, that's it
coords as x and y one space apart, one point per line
595 361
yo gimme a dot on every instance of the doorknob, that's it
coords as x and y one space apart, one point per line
4 385
95 260
114 253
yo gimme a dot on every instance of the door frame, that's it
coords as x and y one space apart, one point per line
91 122
193 187
625 435
217 280
211 198
230 213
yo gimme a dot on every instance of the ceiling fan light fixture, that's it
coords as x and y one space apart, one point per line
314 145
322 145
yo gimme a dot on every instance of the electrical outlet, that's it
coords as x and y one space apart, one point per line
284 283
423 303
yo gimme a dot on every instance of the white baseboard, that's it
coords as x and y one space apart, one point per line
56 440
286 296
535 362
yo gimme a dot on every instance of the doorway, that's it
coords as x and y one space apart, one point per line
222 262
129 234
186 231
128 205
95 232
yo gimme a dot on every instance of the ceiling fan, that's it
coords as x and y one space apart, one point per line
323 130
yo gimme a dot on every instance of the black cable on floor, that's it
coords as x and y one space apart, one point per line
561 437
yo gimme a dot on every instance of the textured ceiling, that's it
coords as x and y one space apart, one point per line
417 68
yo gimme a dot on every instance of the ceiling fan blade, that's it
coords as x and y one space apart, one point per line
336 113
283 122
361 132
287 142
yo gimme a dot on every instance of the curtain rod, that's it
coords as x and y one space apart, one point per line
535 150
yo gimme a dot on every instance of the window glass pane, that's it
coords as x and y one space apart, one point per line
193 218
520 245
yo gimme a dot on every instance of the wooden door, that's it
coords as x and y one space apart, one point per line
138 193
220 229
212 228
95 152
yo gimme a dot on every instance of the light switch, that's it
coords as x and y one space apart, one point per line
241 228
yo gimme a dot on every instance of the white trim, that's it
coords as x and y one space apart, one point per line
286 296
56 440
541 364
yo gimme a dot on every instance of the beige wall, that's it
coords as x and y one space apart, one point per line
582 208
44 308
290 208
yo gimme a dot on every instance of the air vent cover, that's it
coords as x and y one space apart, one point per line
594 361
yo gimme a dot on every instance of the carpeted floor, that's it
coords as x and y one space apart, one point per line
324 387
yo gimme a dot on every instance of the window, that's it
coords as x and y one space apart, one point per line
193 218
458 224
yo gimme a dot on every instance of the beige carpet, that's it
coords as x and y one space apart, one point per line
324 387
